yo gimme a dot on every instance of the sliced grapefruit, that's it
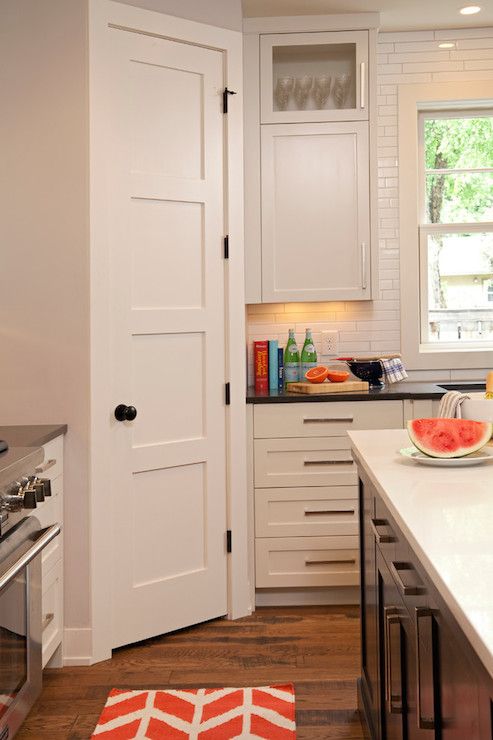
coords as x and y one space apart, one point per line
337 376
317 374
449 437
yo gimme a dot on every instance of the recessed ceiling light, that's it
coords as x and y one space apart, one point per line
470 9
446 45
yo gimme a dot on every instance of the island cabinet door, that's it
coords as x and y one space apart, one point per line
369 615
459 687
394 648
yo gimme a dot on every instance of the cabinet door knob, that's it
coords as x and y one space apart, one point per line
125 413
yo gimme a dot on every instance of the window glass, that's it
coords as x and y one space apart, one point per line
457 228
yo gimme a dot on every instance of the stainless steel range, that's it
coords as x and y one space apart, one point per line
21 542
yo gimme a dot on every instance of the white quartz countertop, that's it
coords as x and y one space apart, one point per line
446 514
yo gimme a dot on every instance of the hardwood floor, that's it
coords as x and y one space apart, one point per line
316 648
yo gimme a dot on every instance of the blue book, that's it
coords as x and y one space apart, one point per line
280 368
273 374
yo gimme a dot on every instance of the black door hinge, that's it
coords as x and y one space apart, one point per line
225 98
229 541
227 394
226 247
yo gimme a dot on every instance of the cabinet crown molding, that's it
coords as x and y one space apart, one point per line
311 23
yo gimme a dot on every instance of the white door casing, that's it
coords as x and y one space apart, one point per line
168 330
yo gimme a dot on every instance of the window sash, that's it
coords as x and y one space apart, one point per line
423 172
426 230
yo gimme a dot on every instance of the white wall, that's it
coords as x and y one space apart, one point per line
44 286
364 326
223 13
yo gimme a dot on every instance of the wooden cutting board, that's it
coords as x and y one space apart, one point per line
326 387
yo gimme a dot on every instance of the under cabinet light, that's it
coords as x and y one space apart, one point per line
446 45
470 9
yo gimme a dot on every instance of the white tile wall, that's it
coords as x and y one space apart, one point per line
374 326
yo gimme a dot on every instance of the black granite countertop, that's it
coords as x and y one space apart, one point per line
31 435
395 392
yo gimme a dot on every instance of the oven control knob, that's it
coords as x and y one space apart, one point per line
11 502
46 486
39 488
29 501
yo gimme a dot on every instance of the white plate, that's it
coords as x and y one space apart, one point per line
475 458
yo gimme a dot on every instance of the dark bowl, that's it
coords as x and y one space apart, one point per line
370 371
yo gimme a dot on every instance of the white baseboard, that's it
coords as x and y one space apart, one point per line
307 596
77 646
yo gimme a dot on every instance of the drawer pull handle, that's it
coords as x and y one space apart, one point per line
362 84
425 723
309 512
348 561
328 462
363 265
395 569
327 420
47 619
45 466
394 701
381 539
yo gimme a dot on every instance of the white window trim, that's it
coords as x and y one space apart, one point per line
412 99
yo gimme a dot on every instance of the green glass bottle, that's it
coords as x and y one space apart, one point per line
308 355
291 360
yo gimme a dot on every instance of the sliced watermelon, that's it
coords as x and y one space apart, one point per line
449 437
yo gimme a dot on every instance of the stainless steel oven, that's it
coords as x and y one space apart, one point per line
21 544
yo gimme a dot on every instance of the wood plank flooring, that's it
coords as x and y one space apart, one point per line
316 648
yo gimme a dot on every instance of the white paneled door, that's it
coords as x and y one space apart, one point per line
166 229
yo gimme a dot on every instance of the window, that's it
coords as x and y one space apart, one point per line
456 228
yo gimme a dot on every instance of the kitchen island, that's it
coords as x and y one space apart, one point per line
426 593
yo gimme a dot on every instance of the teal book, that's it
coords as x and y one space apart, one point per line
273 365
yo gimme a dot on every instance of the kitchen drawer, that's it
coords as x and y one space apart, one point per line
295 562
52 610
324 419
52 466
281 463
306 512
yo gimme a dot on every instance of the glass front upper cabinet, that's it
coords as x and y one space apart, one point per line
314 77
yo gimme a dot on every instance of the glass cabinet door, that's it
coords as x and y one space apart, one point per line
314 77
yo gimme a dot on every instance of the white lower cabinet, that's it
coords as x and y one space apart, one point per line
52 611
307 561
48 513
305 491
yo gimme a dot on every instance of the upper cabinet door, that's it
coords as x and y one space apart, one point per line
315 212
314 77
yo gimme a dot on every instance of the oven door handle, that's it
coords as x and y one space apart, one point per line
44 539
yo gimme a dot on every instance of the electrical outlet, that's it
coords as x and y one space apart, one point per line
330 342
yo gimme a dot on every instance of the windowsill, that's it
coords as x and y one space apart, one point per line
449 347
429 357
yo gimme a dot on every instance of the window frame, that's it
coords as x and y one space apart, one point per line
450 99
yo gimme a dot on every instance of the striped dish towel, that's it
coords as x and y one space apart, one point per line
450 405
393 369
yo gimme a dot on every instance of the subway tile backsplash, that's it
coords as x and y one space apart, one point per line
374 326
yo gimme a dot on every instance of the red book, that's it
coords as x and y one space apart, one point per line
261 366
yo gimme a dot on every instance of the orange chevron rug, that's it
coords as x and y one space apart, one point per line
263 713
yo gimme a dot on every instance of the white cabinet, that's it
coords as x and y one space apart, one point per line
315 212
50 512
314 77
310 164
304 489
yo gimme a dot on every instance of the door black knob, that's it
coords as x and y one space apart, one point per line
125 413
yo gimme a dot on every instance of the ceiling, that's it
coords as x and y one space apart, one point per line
396 15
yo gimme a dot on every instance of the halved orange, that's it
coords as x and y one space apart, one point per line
337 376
317 374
